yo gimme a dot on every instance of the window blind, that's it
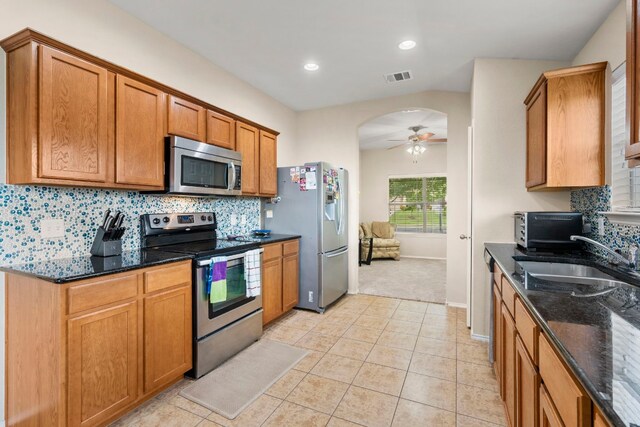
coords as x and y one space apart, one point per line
625 181
418 204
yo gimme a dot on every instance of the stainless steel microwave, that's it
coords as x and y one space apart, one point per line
198 169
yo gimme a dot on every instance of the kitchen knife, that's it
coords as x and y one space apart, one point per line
109 222
117 222
106 217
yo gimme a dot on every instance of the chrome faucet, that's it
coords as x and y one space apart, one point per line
629 262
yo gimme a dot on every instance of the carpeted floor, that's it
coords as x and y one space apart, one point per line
409 278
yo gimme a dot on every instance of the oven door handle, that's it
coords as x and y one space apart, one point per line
204 262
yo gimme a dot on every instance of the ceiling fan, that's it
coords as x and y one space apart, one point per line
416 142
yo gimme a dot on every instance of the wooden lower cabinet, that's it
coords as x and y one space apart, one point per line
527 382
497 339
167 343
103 363
508 364
85 353
280 279
549 416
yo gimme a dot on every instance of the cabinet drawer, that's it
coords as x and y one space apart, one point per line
103 292
509 296
272 251
528 330
497 277
167 277
573 405
290 248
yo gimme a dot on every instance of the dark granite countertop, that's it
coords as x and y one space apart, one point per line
66 270
272 238
599 337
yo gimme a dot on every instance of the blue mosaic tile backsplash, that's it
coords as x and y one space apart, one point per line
590 201
23 207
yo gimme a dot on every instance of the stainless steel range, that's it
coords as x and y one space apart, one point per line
222 329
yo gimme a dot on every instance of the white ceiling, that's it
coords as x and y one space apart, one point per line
375 134
266 43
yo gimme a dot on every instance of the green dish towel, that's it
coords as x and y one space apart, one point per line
218 291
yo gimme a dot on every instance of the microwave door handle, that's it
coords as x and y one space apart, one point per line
232 182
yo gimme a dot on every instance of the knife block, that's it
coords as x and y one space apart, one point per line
107 243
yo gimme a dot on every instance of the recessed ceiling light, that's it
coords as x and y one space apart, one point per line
311 66
407 44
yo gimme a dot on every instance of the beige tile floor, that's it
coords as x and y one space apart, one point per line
373 361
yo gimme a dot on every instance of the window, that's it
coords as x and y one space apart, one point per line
418 204
625 181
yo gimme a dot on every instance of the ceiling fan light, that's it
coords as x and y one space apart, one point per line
407 44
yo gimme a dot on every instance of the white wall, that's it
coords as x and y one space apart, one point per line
376 166
331 134
499 146
608 43
103 30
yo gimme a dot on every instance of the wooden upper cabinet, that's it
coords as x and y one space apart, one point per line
221 130
139 133
268 164
247 143
536 138
186 119
633 72
566 129
103 364
73 125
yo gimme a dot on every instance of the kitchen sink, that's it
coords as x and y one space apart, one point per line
578 280
568 273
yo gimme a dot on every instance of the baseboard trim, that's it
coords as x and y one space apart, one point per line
480 337
456 304
423 257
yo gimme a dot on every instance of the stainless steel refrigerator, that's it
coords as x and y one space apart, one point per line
313 204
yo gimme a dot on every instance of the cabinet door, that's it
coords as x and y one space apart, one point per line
632 74
290 280
186 119
139 134
167 337
268 164
497 339
221 130
247 141
103 363
549 416
527 386
537 138
508 364
271 290
73 118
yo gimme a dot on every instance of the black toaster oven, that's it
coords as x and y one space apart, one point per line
547 230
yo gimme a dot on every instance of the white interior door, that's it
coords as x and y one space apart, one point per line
469 227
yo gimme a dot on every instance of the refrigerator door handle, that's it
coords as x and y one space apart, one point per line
331 255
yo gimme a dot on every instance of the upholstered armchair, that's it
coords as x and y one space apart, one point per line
382 234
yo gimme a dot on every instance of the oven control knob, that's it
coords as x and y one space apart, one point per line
156 221
203 218
165 219
210 218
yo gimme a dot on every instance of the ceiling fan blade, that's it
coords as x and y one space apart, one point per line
397 146
425 136
437 140
396 140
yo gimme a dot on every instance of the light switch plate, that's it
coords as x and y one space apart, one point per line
233 219
52 228
269 213
243 220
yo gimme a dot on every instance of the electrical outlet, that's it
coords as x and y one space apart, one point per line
233 219
269 213
243 220
52 228
310 296
601 226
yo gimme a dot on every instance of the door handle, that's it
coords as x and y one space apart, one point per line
232 183
337 253
465 237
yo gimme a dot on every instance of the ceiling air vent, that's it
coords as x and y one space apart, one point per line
400 76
